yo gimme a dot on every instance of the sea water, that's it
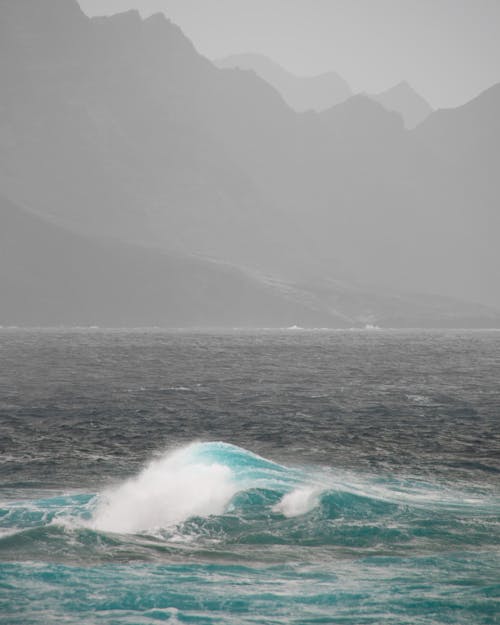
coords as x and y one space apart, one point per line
249 477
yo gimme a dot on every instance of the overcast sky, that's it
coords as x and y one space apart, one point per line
448 50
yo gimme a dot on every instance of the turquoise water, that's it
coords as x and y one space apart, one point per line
212 533
119 527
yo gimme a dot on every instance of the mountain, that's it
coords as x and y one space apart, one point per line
321 92
302 93
130 133
406 101
465 145
467 133
116 128
49 276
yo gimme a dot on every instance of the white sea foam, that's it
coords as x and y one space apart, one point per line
202 479
299 501
167 492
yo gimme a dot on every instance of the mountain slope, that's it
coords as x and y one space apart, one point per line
302 93
181 166
467 133
406 101
118 127
52 277
465 145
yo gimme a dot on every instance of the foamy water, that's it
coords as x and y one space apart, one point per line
334 477
166 492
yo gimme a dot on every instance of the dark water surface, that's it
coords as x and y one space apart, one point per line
249 477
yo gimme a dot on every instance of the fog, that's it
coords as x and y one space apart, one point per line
447 49
143 184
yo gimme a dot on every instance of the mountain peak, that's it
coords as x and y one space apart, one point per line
362 116
128 33
469 123
403 99
485 99
132 15
157 18
302 93
126 19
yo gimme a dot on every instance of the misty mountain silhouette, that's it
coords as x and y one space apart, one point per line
117 128
49 276
403 99
302 93
321 92
464 134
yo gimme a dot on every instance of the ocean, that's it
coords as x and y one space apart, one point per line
263 477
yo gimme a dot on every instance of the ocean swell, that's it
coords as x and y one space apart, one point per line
232 497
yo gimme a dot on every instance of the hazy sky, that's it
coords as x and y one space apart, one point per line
449 50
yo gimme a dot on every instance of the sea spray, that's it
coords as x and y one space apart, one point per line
299 501
200 479
242 493
404 531
168 491
214 528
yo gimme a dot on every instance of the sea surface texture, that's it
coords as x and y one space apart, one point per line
249 477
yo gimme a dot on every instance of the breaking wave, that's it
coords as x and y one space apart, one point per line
229 496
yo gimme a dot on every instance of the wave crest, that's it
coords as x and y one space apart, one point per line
167 492
220 492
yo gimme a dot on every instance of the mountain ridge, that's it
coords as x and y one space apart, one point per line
323 91
52 277
403 99
302 93
49 276
134 135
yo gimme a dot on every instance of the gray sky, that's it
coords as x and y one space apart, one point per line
449 50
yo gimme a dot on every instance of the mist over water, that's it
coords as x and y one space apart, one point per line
285 458
167 492
270 477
